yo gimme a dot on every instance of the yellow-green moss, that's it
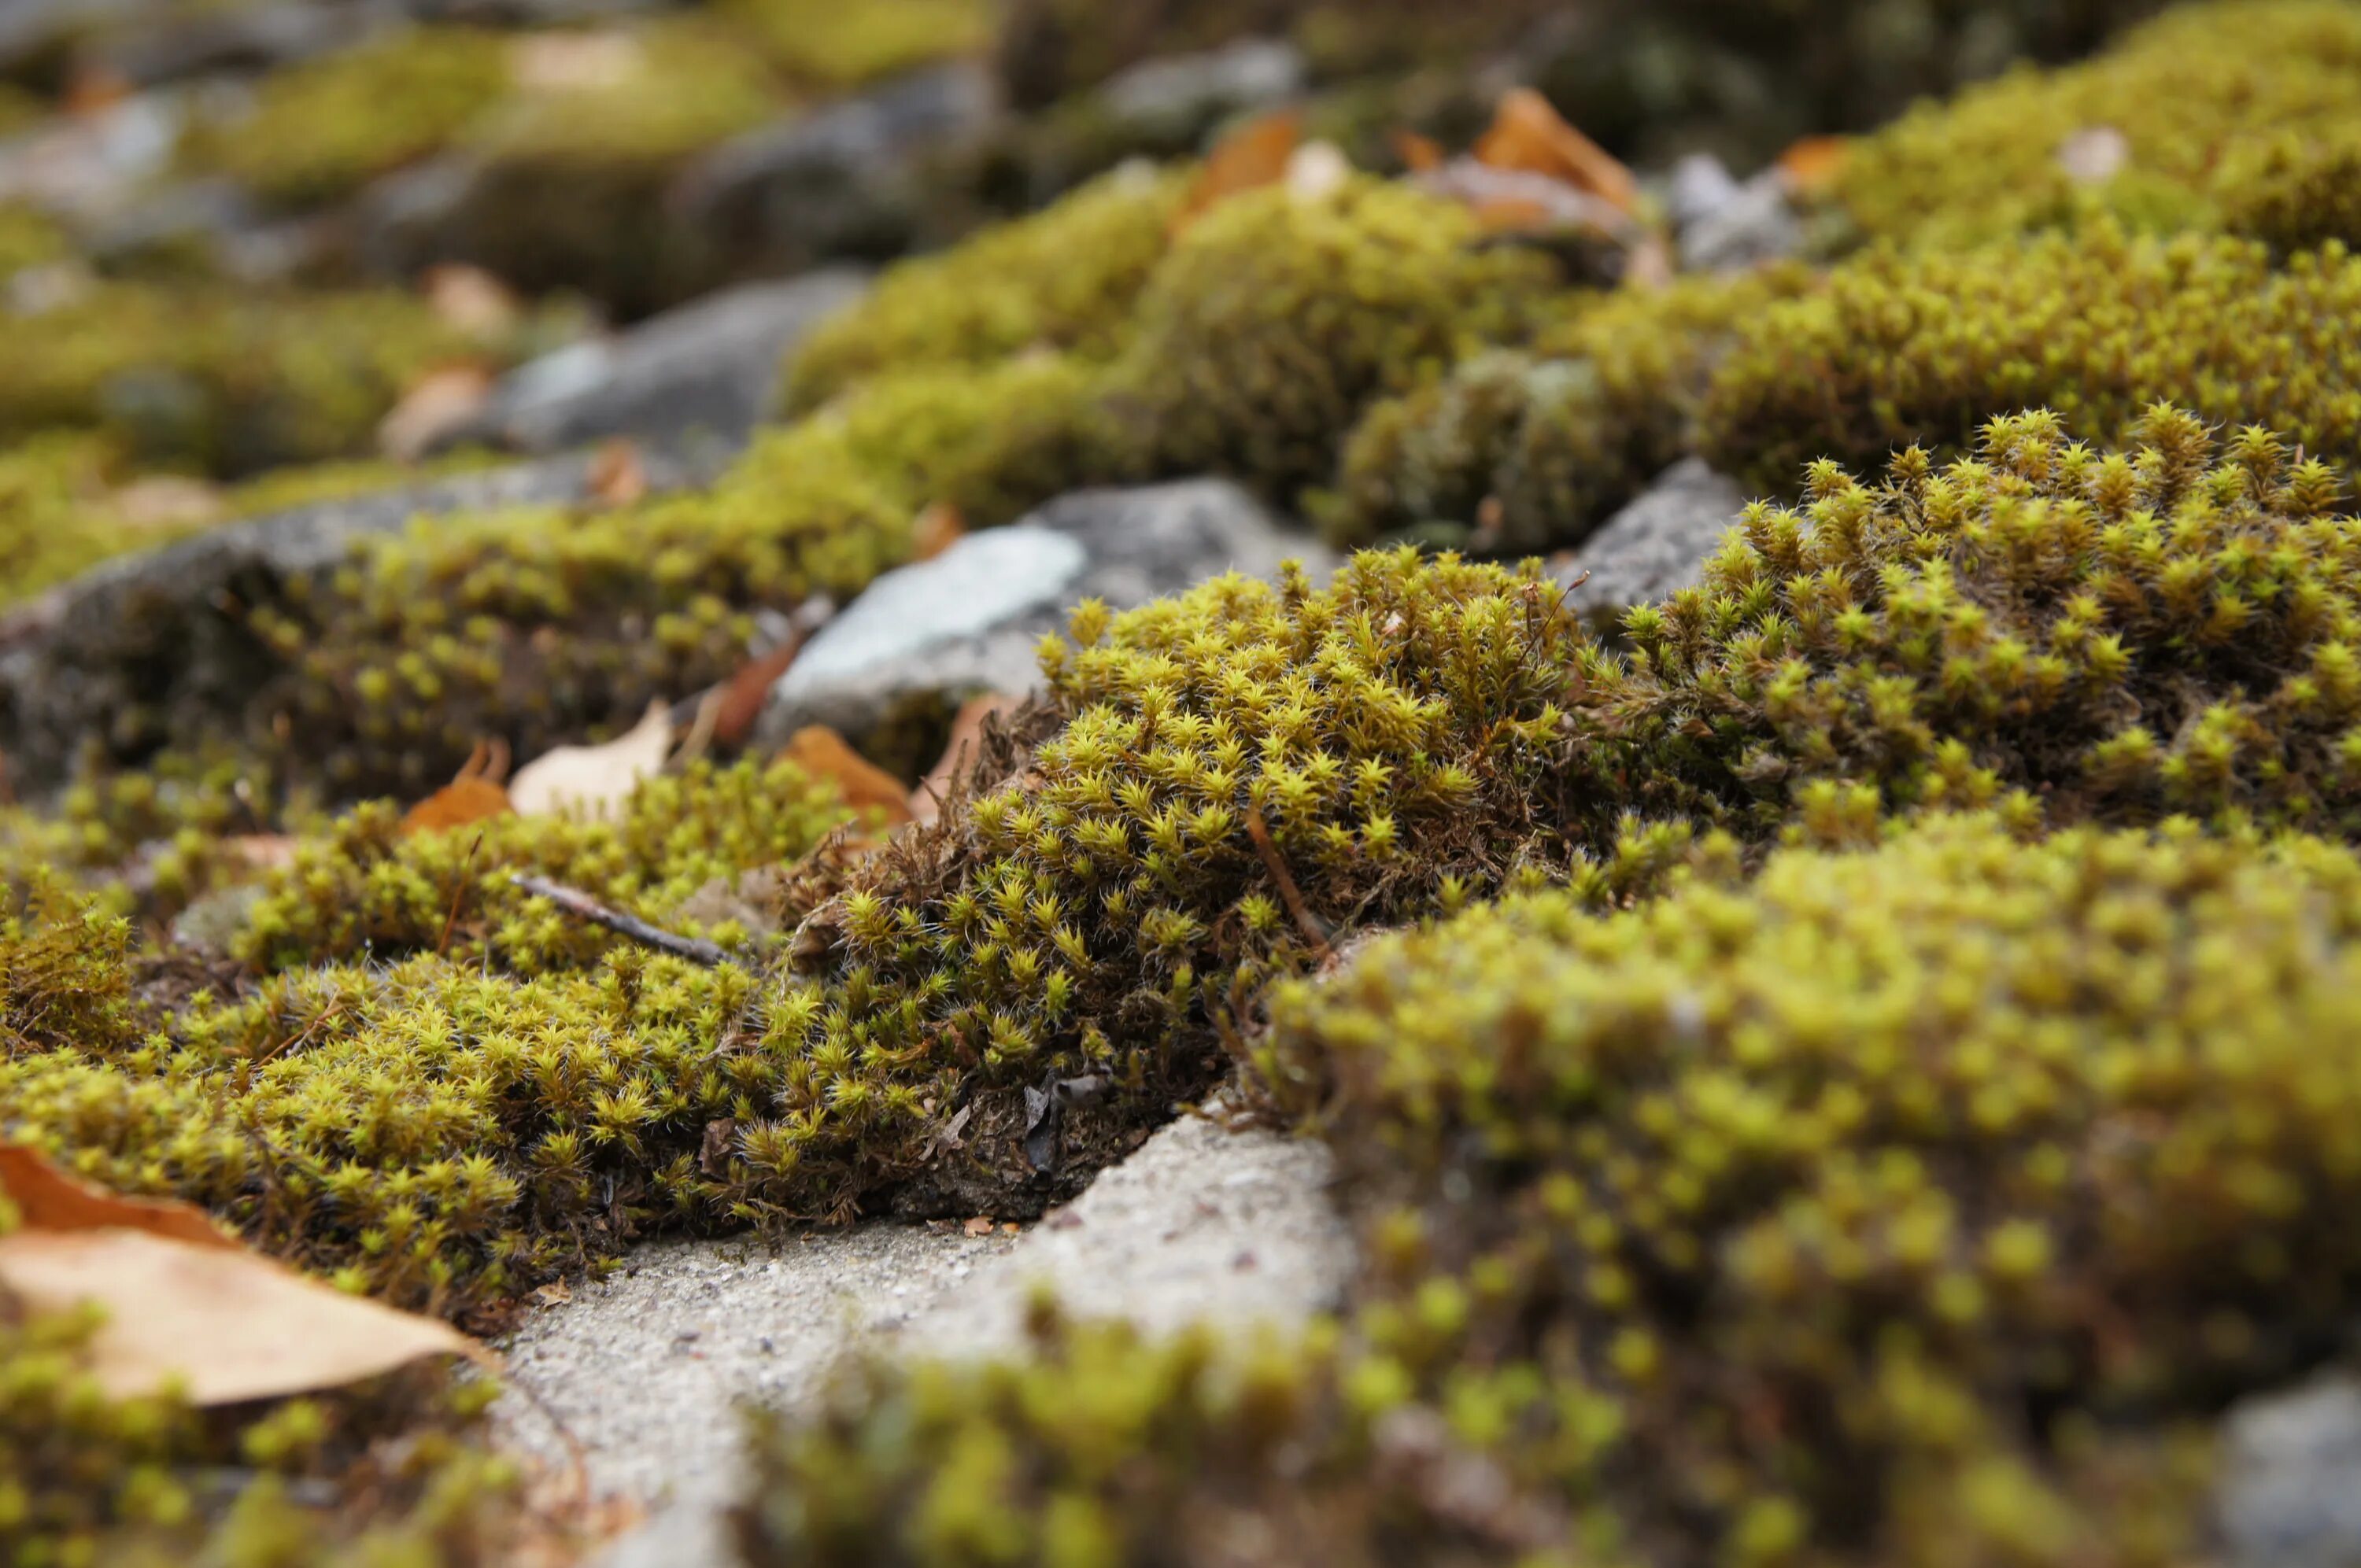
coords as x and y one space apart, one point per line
29 237
1065 278
2183 93
320 129
2298 190
1913 347
1277 319
834 46
226 381
1556 436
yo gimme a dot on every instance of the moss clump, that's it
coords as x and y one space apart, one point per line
2061 633
2297 191
1912 346
29 237
1276 320
1065 278
322 129
1914 1204
227 383
1540 445
367 888
2185 95
828 46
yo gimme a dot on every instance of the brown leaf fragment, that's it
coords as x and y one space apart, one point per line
1253 155
438 402
1811 167
471 299
938 527
958 752
594 779
556 1293
1420 155
48 1199
456 804
979 1226
866 787
618 476
749 687
713 1153
1528 135
223 1324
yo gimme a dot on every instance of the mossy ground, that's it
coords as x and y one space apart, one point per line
1855 1072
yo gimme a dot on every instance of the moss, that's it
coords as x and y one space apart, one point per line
322 129
1918 1204
227 382
2185 93
829 47
1276 320
29 237
2295 192
1540 445
364 887
1065 278
1903 347
2058 632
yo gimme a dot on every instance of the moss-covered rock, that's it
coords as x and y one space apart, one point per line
1532 448
2178 102
829 45
1914 1204
1916 347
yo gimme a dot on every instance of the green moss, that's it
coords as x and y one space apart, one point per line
1276 320
322 129
227 383
1914 1204
2061 633
29 237
829 45
1556 436
2185 95
1064 279
1913 347
2296 192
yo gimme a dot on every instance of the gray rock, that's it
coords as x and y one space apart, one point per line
710 369
1654 546
846 181
1199 1225
86 167
1193 90
2289 1489
1722 225
149 648
926 636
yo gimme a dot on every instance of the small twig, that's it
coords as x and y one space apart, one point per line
1293 896
582 906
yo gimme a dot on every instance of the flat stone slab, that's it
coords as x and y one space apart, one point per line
646 1369
971 620
707 369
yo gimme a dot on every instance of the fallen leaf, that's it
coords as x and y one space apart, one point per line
167 500
749 686
1253 155
1420 155
1531 136
48 1199
593 778
1317 170
2094 154
94 89
471 299
440 401
938 527
618 476
455 805
1810 167
559 62
224 1324
959 751
979 1226
185 1304
554 1294
822 753
264 851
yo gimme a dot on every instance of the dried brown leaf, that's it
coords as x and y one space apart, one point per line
1531 136
823 753
1420 155
48 1199
592 779
438 402
1810 167
618 476
960 753
456 804
471 299
938 527
1253 155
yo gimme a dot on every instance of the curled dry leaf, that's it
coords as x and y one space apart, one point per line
867 788
618 476
939 526
1810 167
960 752
187 1306
441 400
591 779
471 796
749 687
1528 135
1255 155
